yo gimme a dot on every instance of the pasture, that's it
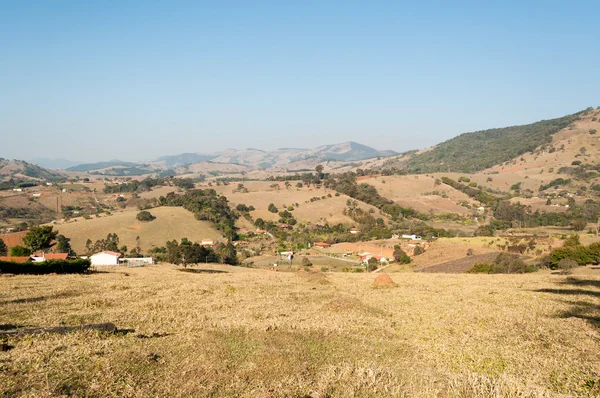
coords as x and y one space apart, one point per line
170 223
231 331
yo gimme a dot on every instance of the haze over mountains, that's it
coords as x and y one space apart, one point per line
252 158
468 152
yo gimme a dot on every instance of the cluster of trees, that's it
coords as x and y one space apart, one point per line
40 238
509 215
148 183
12 183
111 243
555 183
572 249
346 184
186 253
145 216
206 205
472 191
504 263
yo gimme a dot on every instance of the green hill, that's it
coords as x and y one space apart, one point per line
471 152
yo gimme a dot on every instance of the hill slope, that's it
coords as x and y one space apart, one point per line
19 169
471 152
170 223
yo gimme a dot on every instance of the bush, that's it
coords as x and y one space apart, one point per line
77 266
418 250
372 264
306 262
504 263
272 208
566 265
145 216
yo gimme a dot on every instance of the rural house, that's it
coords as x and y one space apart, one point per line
207 242
105 258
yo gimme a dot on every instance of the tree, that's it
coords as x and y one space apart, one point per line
400 255
319 170
372 264
19 251
40 238
63 244
578 224
272 208
145 216
88 246
3 248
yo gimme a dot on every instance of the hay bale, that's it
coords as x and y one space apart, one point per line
384 281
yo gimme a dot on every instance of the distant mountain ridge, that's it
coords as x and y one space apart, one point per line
257 158
101 165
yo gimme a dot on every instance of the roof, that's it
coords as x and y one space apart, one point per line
415 242
322 244
109 253
22 259
53 256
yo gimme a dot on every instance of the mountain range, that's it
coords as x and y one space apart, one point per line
251 158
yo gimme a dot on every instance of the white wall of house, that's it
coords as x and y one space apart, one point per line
104 259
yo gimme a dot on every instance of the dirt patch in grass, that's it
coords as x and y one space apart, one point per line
462 264
345 303
318 278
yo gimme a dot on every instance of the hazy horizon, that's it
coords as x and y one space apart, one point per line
136 81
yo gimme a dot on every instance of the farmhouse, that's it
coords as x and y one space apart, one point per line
207 242
354 230
105 258
41 257
322 244
412 237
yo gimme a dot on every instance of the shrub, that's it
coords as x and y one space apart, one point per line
145 216
372 264
306 262
593 131
418 250
77 266
272 208
504 263
566 265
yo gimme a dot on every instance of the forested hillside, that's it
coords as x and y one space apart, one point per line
472 152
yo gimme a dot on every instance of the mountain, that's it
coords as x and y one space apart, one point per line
20 169
257 158
54 164
184 159
102 165
471 152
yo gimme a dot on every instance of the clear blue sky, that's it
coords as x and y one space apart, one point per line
138 79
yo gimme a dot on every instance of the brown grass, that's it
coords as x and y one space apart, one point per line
170 223
255 333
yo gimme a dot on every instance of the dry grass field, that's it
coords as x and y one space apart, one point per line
224 331
260 195
170 223
415 192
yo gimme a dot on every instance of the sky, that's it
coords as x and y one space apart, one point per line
134 80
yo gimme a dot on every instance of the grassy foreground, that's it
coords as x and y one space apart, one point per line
224 331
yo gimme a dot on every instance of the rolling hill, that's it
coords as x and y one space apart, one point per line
19 169
170 223
472 152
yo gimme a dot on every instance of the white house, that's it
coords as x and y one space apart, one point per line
207 242
412 237
136 261
105 258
